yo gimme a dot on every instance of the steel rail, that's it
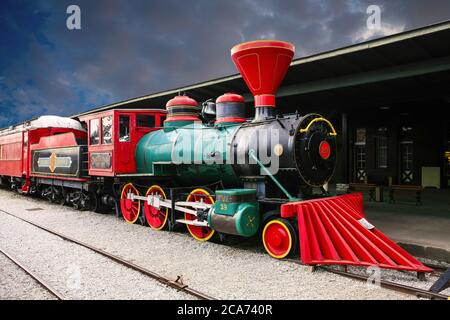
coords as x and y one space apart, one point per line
174 283
437 267
38 279
418 292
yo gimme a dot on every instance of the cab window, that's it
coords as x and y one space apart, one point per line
124 128
107 130
94 129
145 121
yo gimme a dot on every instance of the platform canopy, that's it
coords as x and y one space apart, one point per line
410 65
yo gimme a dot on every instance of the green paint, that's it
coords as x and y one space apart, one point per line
247 219
236 192
176 151
244 214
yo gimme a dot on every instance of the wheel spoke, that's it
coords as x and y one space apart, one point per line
130 209
199 232
156 218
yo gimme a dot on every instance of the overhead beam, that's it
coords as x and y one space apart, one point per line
408 35
380 75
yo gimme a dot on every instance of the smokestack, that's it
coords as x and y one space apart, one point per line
263 65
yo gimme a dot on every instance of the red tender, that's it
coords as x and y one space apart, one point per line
15 148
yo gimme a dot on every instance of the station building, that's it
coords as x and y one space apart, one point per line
388 98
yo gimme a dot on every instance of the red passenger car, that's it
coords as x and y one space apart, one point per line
16 145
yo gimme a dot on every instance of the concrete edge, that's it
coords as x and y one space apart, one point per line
426 252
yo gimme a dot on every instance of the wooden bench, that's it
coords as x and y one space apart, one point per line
415 191
364 187
342 188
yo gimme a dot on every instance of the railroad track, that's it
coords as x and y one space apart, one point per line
173 283
417 292
179 285
437 269
32 274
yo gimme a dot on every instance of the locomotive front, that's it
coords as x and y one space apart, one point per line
304 149
273 153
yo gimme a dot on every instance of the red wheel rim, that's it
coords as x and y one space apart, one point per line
130 209
277 239
199 233
156 218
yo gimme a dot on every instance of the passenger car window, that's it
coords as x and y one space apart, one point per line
124 128
107 130
145 121
94 127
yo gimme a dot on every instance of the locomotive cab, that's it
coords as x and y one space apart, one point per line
113 135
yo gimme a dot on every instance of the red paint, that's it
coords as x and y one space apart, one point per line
58 141
61 178
15 148
233 120
182 118
26 186
276 239
122 152
200 233
230 97
263 65
11 154
181 101
267 100
324 150
156 218
130 209
331 233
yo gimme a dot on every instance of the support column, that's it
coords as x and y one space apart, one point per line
344 152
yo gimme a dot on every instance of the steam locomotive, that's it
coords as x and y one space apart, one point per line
205 166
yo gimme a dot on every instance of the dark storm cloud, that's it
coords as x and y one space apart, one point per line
131 48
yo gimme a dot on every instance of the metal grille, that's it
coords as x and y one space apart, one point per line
382 152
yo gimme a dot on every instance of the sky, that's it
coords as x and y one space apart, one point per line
127 49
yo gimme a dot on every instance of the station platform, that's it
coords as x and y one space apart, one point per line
423 230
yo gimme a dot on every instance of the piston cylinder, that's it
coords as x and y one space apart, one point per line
235 212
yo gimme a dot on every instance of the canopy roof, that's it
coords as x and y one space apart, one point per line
410 65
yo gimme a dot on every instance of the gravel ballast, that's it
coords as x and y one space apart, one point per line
16 284
74 271
224 272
